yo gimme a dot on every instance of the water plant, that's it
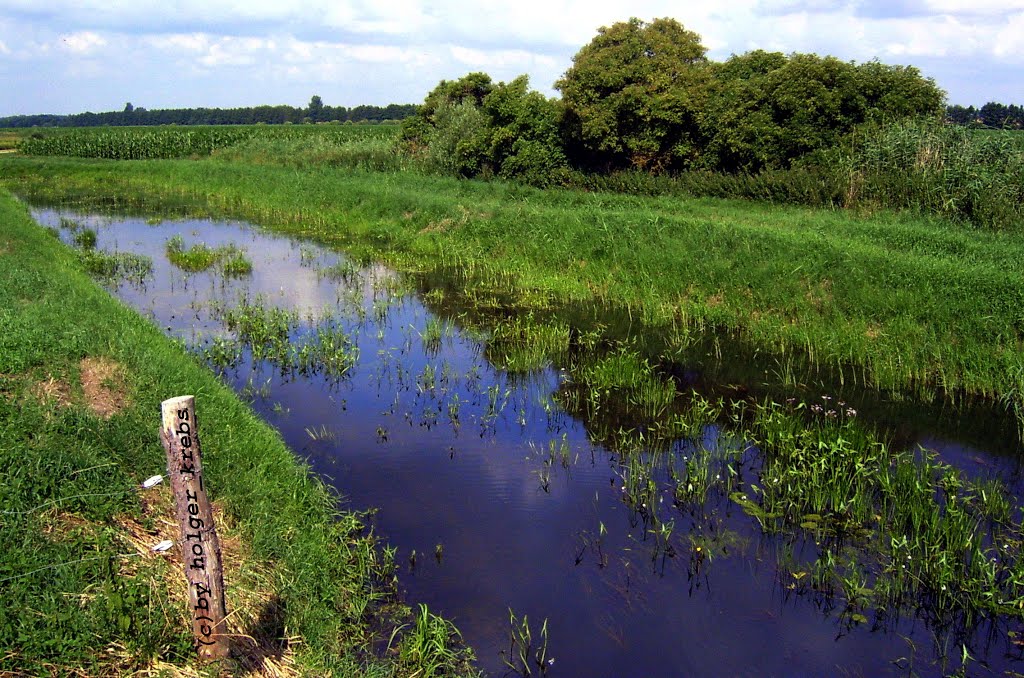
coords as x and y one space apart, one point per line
522 657
116 266
275 335
523 343
344 271
85 239
433 332
431 646
199 257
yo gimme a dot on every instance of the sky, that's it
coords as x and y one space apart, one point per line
64 56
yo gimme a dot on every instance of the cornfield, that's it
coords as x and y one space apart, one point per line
148 143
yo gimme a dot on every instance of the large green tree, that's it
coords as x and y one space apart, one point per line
634 94
767 109
525 140
472 126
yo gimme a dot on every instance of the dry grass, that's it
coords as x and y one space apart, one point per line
103 385
259 646
254 610
52 391
102 388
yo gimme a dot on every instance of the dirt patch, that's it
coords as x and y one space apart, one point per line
104 386
52 391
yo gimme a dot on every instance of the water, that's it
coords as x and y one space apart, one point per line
465 465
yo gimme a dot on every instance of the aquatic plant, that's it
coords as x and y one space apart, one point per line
522 657
432 646
200 257
85 239
116 266
433 332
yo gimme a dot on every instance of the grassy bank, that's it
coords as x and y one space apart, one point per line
81 379
917 305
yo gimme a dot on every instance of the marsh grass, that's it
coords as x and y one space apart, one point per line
117 266
523 344
434 332
84 239
919 306
612 386
281 338
229 259
923 531
899 532
343 271
525 654
432 647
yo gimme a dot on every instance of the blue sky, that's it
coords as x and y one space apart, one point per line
66 57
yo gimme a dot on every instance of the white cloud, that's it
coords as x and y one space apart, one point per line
974 6
1009 42
242 52
232 51
191 42
502 59
82 42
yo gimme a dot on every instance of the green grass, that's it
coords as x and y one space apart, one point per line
72 603
918 305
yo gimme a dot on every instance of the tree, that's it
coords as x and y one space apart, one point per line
994 115
767 109
633 96
315 109
419 127
457 143
524 135
128 108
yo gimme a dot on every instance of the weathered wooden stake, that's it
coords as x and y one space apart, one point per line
200 548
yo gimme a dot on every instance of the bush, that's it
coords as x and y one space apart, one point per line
457 143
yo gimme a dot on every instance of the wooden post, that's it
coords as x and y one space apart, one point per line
200 548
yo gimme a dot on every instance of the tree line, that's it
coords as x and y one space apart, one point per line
992 115
645 96
315 112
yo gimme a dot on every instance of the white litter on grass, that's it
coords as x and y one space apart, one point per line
163 546
151 482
